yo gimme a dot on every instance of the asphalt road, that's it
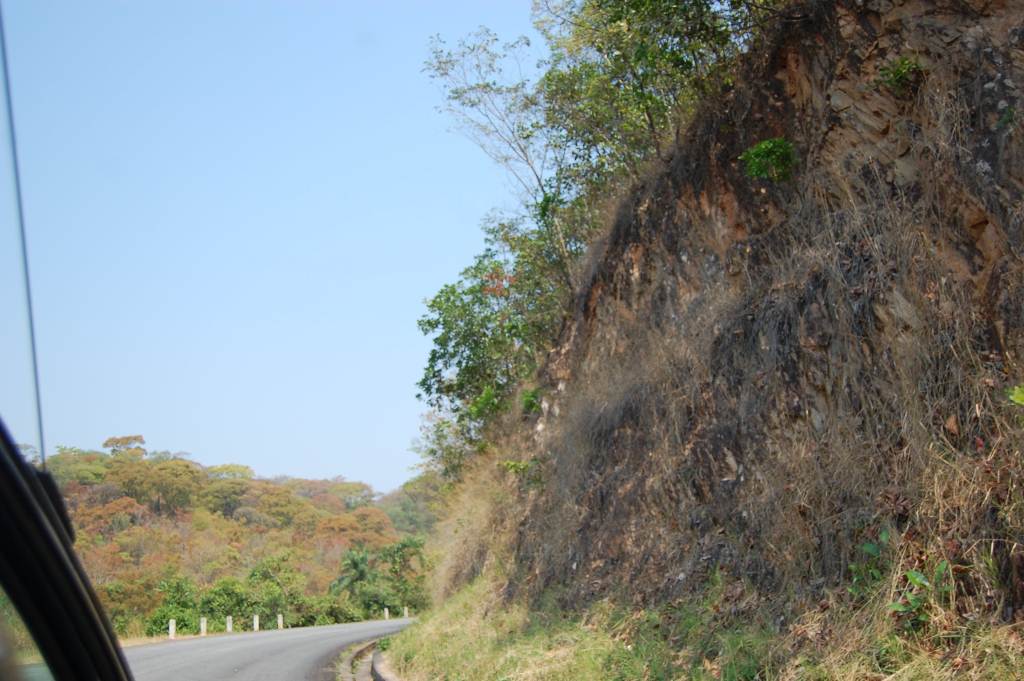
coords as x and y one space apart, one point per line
306 654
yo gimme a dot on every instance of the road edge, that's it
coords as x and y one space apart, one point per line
380 668
345 663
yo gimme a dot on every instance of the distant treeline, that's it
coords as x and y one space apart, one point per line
164 537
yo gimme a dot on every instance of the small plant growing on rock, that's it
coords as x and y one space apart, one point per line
866 573
528 473
530 401
1007 118
772 159
1016 395
517 468
900 75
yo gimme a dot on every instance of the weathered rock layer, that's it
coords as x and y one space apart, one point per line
759 375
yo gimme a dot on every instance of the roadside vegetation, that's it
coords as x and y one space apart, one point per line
896 615
478 636
163 537
483 637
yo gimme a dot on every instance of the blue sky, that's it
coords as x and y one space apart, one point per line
235 210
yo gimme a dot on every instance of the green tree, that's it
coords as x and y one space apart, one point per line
404 560
444 446
475 335
331 609
374 596
173 483
489 94
126 444
178 602
274 586
224 495
230 471
130 472
491 98
623 73
619 78
71 464
353 494
356 568
277 502
415 507
227 596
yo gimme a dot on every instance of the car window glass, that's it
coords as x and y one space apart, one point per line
17 395
19 656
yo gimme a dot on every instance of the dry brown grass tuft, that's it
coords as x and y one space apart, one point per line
475 530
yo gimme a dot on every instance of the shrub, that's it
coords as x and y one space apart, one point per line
327 609
179 604
529 473
920 595
772 159
900 75
530 401
226 597
867 572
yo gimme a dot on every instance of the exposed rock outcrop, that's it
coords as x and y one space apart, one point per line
759 375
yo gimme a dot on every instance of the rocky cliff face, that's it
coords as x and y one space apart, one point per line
760 375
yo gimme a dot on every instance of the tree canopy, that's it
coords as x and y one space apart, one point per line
163 537
616 81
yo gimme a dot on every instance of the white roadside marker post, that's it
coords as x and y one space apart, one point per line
171 627
202 626
387 615
229 623
405 611
255 622
280 621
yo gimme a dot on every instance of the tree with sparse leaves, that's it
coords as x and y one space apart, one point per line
618 81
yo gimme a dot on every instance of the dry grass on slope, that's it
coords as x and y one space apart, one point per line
476 528
479 635
761 382
797 389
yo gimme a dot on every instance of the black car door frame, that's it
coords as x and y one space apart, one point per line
44 579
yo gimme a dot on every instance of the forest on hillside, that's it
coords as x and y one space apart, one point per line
164 537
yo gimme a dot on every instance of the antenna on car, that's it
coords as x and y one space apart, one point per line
21 227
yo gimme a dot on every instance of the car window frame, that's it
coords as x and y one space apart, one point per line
44 579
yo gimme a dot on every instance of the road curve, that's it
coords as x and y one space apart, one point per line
305 654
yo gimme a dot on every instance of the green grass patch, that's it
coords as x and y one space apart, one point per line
475 636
